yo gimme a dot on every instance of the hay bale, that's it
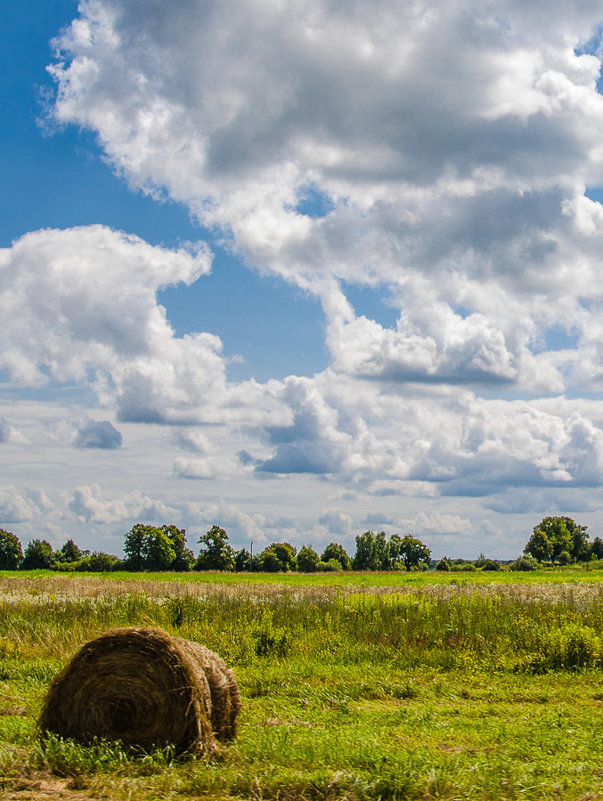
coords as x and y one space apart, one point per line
147 689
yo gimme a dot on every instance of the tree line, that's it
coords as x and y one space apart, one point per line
554 541
164 548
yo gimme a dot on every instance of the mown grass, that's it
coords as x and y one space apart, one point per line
466 690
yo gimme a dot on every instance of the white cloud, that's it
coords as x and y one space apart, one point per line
88 504
449 147
437 524
17 506
82 301
452 145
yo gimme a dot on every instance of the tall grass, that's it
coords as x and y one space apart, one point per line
454 691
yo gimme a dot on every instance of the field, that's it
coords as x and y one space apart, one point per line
359 686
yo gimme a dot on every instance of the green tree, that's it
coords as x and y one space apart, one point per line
539 546
580 544
414 553
278 558
157 551
371 552
11 552
134 542
217 554
307 559
443 564
184 557
70 552
395 551
336 551
554 536
242 560
597 548
38 556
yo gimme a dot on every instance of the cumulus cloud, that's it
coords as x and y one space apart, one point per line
314 442
89 505
17 506
97 434
82 302
450 150
438 156
438 524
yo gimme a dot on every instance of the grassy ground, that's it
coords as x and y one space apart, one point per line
376 687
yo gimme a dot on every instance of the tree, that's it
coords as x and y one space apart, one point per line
11 552
38 556
597 548
395 551
184 557
157 550
307 560
414 553
70 553
371 552
242 561
336 551
134 546
217 553
278 558
152 548
539 546
554 536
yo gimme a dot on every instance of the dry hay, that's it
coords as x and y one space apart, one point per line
147 689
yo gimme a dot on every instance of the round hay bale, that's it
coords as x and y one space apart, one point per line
147 689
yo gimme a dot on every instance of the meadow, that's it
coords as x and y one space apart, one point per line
355 686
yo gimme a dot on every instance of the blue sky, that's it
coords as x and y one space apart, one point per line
296 273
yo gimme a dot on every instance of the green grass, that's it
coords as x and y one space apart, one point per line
398 689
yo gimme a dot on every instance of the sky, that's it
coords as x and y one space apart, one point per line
301 270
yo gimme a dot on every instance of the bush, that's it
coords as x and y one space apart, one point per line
443 564
99 562
491 564
524 563
572 648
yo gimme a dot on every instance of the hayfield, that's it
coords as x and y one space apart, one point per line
354 686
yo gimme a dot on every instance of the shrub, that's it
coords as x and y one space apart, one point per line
574 647
99 562
524 563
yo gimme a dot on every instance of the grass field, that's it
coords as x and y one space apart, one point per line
354 686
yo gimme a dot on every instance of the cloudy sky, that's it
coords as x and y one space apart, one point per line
301 269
